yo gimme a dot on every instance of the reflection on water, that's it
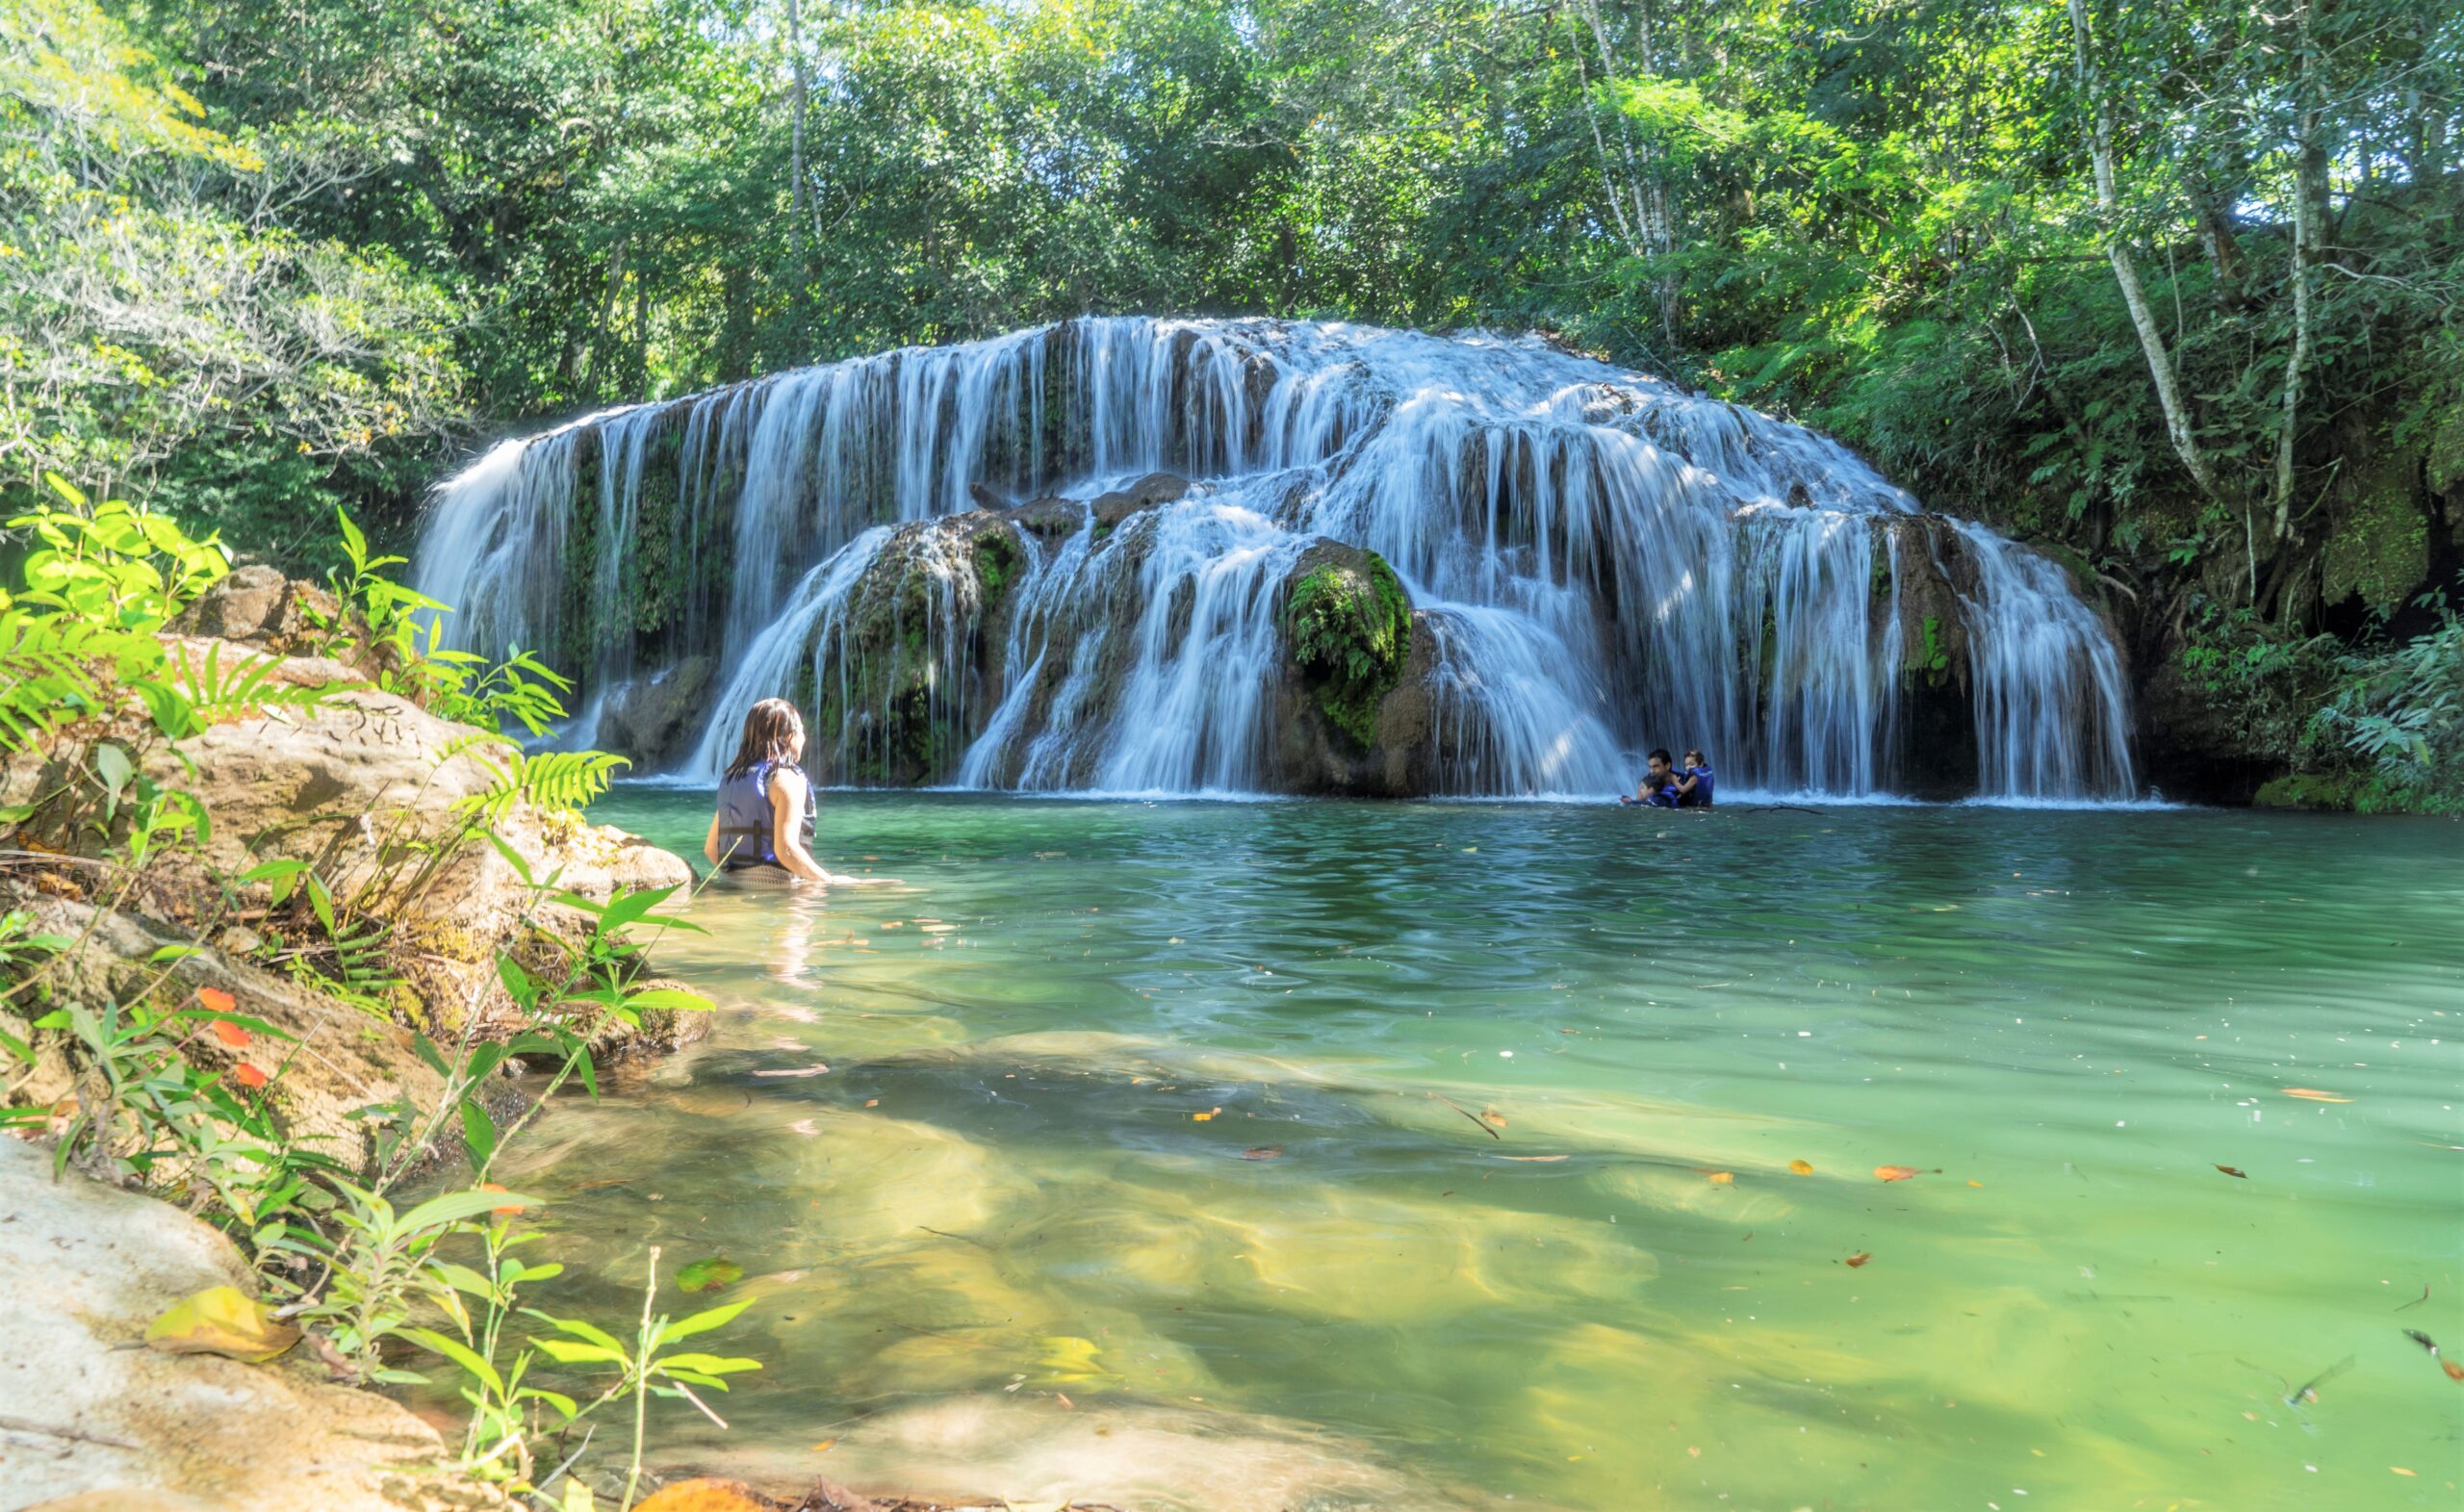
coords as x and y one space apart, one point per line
1318 1155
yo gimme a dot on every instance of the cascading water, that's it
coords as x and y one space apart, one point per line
1598 563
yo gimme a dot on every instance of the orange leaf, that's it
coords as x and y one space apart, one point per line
2313 1094
1856 1259
216 999
1722 1178
1493 1118
1801 1167
1897 1172
2234 1170
704 1496
1262 1152
490 1186
250 1076
2454 1372
230 1033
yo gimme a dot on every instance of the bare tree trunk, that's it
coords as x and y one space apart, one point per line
2134 294
2309 196
1653 229
796 158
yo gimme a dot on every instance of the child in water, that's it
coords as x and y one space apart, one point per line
1658 787
1694 785
765 814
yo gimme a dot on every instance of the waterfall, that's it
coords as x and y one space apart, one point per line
1598 561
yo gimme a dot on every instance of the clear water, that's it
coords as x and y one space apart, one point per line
997 1252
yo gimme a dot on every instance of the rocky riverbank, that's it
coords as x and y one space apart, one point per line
241 947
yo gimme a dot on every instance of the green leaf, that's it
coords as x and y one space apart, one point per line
479 1138
459 1353
669 998
567 1352
702 1322
709 1275
455 1206
709 1364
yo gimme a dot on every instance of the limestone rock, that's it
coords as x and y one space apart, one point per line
657 719
86 1422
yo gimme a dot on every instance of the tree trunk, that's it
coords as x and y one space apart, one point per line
2309 207
2134 294
795 159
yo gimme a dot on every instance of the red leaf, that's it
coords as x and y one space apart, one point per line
218 999
250 1076
2234 1170
1856 1259
230 1033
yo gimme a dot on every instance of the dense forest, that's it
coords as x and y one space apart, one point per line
2168 289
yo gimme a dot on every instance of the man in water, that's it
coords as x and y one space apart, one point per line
1658 787
1694 784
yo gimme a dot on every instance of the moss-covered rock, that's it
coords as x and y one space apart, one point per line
1348 629
2378 550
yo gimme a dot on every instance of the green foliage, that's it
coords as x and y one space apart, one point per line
1351 631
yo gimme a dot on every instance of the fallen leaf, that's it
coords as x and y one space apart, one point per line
1262 1152
2234 1170
1801 1167
1201 1117
704 1496
1856 1259
1897 1172
2399 1470
824 1446
1063 1398
872 1102
709 1275
221 1321
508 1212
1722 1178
801 1070
2454 1372
1493 1118
230 1033
2313 1094
216 1000
249 1075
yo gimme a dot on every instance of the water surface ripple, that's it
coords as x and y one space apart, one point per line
1500 1053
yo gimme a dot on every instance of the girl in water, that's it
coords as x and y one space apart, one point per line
765 805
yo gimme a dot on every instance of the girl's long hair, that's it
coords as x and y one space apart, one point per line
770 731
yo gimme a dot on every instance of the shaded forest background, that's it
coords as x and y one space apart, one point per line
2169 288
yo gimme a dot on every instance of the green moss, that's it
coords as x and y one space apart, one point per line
2378 550
2445 462
2320 792
996 561
1930 654
1350 632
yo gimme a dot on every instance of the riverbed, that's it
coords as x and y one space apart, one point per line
1338 1155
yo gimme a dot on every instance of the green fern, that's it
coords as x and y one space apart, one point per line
554 781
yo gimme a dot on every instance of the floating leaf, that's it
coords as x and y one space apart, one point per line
1493 1118
1262 1152
1897 1172
1856 1259
222 1321
230 1033
1801 1167
218 999
2313 1094
2234 1170
2454 1372
1721 1178
709 1275
250 1076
